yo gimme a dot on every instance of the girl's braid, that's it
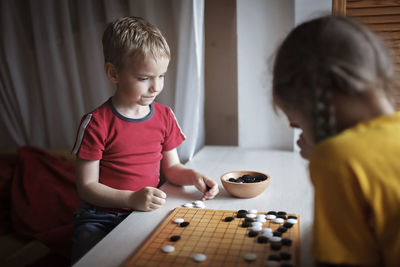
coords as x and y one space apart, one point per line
323 112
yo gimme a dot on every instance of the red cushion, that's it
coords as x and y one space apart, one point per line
44 198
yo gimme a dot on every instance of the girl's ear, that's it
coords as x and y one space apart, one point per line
111 72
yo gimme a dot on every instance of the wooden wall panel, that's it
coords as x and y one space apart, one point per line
382 17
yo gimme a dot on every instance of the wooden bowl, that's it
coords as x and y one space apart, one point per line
244 190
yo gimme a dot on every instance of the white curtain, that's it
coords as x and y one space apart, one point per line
190 74
51 66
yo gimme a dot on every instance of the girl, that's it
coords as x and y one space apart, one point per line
334 80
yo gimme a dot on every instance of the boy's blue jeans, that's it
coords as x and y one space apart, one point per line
90 226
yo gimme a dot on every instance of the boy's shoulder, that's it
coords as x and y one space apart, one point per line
103 108
163 110
161 107
99 114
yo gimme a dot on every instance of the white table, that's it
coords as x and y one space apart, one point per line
290 190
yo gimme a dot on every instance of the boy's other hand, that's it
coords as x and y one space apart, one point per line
206 185
147 199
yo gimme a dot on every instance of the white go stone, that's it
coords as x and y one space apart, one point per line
292 221
252 211
188 205
278 220
256 228
256 223
267 234
199 204
199 257
270 216
261 220
251 215
275 238
179 220
261 216
267 230
168 249
250 256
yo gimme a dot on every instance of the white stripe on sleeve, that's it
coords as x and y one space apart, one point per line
82 128
180 129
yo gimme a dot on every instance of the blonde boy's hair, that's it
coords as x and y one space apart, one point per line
132 37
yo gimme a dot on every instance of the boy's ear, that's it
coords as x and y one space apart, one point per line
111 72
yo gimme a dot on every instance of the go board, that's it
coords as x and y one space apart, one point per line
224 243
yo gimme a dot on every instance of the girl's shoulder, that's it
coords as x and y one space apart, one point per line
373 136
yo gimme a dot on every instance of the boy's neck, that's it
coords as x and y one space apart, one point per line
129 109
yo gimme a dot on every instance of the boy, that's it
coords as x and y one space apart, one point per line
120 145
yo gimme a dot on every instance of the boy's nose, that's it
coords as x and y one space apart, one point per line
156 86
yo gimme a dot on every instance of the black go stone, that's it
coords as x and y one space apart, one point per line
274 257
253 233
281 216
281 213
282 229
292 217
229 219
287 225
276 245
286 242
239 180
174 238
262 239
276 233
285 255
250 180
271 212
247 179
241 215
250 220
184 224
260 179
245 224
242 211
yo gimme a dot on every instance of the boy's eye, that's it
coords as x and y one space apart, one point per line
142 78
162 76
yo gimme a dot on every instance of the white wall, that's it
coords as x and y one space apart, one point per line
261 25
308 9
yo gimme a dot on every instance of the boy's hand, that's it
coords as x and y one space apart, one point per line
147 199
206 185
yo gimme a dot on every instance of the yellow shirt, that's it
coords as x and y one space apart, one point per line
356 177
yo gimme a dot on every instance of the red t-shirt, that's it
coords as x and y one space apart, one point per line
129 150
